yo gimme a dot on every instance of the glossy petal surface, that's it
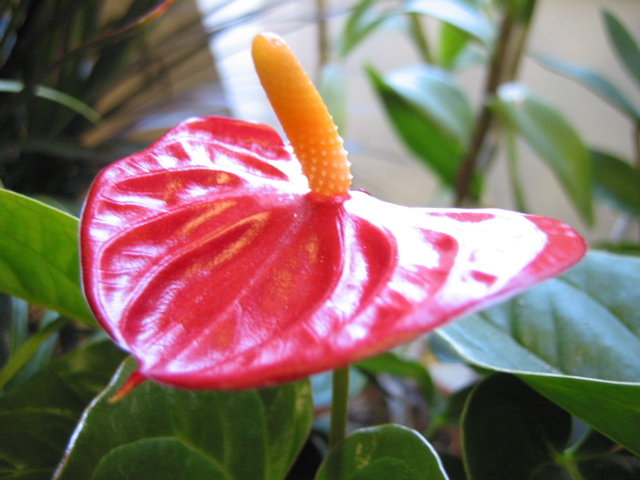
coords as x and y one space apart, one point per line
208 259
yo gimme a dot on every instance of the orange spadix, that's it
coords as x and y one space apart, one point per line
303 115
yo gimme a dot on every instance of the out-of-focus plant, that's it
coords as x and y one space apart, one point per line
459 141
78 78
61 63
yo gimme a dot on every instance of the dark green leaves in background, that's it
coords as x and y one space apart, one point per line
242 435
574 338
506 419
38 418
39 256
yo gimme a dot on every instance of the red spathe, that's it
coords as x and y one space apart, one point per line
208 259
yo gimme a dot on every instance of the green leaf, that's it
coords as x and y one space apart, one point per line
382 453
510 430
457 13
39 258
452 46
431 115
574 338
624 44
594 82
240 435
55 96
38 417
170 458
616 182
289 415
363 21
507 419
551 136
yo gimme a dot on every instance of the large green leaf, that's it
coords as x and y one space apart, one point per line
616 182
552 137
431 115
574 338
511 431
240 435
457 13
625 46
37 419
383 453
39 258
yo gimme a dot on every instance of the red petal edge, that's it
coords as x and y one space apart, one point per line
208 259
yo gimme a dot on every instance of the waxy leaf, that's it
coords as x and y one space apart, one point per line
506 419
207 257
574 338
39 256
249 435
384 452
510 430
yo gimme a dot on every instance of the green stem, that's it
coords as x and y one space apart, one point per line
505 62
323 34
339 406
485 119
568 462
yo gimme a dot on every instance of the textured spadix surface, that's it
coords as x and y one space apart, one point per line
207 257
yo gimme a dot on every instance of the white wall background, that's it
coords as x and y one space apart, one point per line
566 29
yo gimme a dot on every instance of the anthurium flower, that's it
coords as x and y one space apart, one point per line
221 257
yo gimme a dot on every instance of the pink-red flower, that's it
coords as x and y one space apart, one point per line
208 257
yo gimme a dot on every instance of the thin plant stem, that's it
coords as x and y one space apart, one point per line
339 406
323 34
485 118
504 66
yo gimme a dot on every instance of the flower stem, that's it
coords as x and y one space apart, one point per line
504 65
339 406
